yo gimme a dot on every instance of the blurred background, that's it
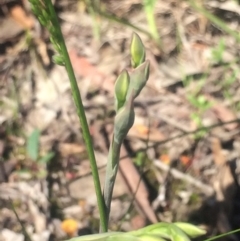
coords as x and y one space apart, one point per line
180 161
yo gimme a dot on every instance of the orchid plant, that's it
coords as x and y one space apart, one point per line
127 87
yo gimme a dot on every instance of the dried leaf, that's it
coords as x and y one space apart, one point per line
142 132
67 149
19 15
142 129
225 115
136 186
165 159
84 68
185 160
224 185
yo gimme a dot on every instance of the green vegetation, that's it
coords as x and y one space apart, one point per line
149 6
32 150
128 86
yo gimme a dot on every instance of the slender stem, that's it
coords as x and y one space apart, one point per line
24 231
149 6
82 117
223 235
96 25
111 173
120 20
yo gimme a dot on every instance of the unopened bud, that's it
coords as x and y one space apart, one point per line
137 51
124 120
138 79
58 59
121 89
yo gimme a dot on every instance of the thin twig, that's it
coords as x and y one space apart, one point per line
206 128
122 21
179 175
24 231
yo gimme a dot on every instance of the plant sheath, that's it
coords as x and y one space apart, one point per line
123 122
111 173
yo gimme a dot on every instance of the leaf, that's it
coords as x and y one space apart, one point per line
136 185
185 160
20 16
178 234
161 228
155 232
151 238
47 157
124 237
96 237
225 114
85 69
191 230
33 145
165 158
116 236
142 129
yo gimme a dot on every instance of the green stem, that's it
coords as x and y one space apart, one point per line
149 10
223 235
24 231
96 26
82 117
111 173
120 20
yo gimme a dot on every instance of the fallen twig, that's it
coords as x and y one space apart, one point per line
186 177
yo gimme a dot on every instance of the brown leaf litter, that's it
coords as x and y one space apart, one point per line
36 95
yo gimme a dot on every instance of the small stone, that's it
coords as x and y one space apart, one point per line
73 211
9 235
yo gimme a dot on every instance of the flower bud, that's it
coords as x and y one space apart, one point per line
35 10
54 42
121 89
138 79
58 59
45 15
124 121
137 51
42 20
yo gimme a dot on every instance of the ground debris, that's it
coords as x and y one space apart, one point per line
181 157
